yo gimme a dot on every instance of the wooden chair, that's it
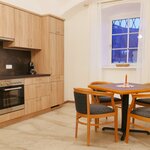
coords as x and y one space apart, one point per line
139 113
93 111
144 101
102 99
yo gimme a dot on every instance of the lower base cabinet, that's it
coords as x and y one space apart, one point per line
40 93
43 103
30 106
37 94
12 115
57 92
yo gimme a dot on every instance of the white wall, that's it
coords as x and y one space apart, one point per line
77 54
109 13
55 7
30 5
76 51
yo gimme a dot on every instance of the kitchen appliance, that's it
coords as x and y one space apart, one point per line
11 95
31 68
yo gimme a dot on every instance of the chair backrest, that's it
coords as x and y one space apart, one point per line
81 96
99 82
82 99
142 99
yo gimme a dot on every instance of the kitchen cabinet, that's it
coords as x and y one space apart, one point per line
56 26
56 47
35 30
27 31
6 23
37 94
12 115
52 56
57 92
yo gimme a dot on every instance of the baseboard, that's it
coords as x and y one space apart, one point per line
68 101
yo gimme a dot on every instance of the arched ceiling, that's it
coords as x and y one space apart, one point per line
56 7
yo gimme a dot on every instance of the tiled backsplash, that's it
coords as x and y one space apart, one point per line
18 59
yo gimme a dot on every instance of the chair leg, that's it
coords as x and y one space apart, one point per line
127 129
76 129
88 131
116 125
133 120
96 124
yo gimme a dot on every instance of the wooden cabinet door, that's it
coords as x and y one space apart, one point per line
53 96
35 31
60 27
56 55
30 92
57 93
7 22
60 55
56 26
53 55
22 29
60 89
27 31
30 106
52 25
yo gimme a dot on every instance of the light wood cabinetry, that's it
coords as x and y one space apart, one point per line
56 26
7 22
27 31
12 115
57 92
56 45
52 56
37 94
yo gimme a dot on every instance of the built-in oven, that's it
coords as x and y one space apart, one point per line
11 97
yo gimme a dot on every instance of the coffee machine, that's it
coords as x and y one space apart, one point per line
31 68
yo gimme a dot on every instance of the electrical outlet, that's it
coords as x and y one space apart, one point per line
9 66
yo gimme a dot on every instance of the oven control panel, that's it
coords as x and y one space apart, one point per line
4 83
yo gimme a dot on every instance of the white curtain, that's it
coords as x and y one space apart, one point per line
143 65
95 41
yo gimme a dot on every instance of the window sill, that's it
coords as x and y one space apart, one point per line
119 67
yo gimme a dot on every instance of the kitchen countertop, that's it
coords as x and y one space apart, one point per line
22 76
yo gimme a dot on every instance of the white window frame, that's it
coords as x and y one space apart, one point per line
133 15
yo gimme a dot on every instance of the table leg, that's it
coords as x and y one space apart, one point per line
125 105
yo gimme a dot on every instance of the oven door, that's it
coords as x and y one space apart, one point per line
11 98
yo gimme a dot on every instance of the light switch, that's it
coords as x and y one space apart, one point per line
8 66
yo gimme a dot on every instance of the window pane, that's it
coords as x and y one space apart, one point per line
134 24
119 56
119 26
132 56
119 41
133 40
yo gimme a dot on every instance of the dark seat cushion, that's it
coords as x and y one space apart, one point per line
142 111
100 109
144 100
104 99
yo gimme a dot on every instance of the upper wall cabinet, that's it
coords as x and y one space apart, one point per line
56 26
6 23
27 31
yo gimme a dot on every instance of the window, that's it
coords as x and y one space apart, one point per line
125 40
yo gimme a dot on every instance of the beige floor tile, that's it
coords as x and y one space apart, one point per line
55 131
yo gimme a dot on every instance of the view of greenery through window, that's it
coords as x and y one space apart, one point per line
125 40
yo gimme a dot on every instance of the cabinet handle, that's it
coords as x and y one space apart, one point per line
11 89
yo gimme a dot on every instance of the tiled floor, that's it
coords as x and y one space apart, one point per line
55 131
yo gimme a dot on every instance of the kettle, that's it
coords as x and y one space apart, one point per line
31 68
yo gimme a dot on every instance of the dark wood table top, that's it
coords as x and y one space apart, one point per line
120 88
